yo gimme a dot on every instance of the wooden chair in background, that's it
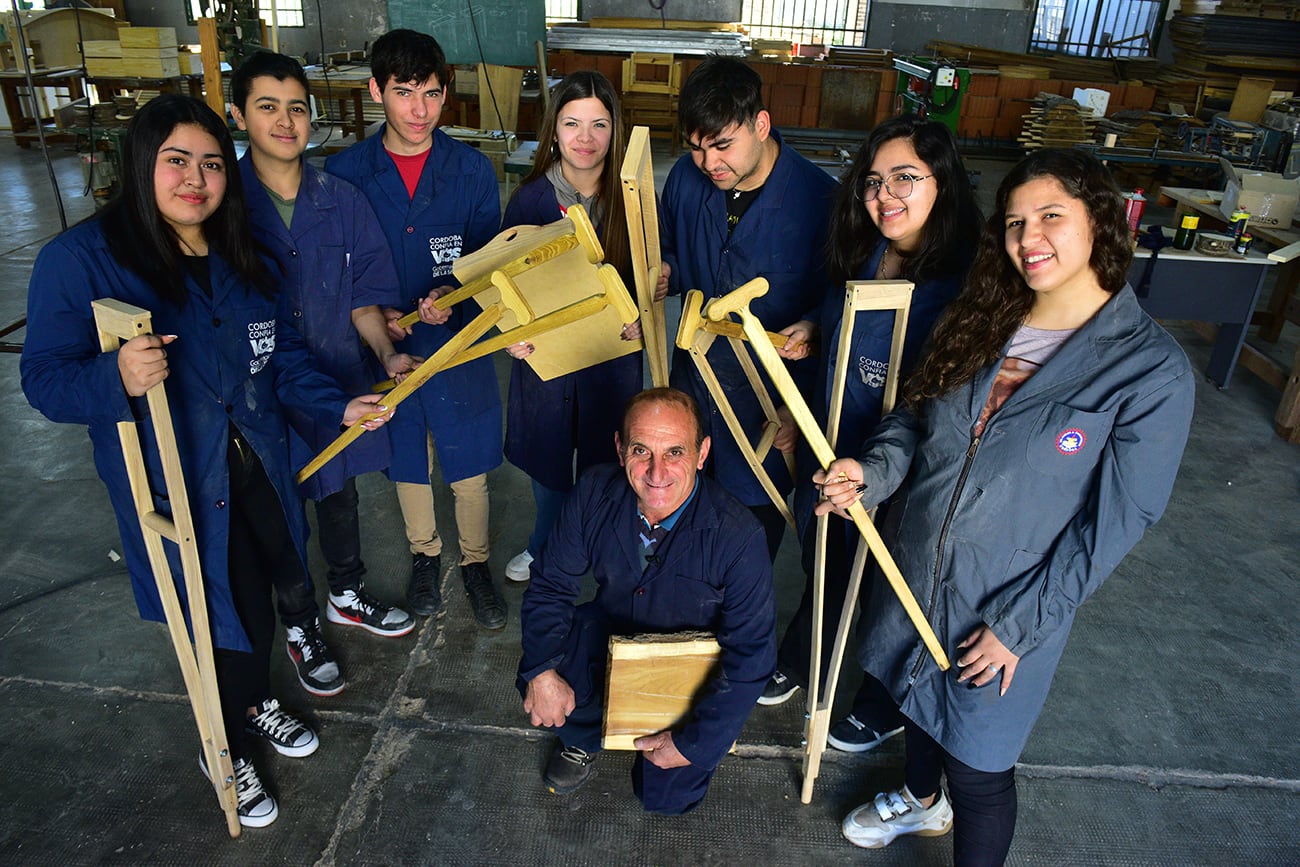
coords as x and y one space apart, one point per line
651 86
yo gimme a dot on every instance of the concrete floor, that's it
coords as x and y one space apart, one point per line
1165 740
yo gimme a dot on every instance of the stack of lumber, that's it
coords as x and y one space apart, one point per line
138 52
1056 122
1277 10
669 24
873 58
1228 46
1061 66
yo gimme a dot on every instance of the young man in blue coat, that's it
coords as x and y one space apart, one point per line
670 551
741 205
336 274
436 200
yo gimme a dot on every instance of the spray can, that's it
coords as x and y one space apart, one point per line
1186 233
1243 243
1134 204
1237 224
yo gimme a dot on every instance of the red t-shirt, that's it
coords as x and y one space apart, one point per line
410 167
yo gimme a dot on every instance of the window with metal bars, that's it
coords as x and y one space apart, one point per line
1098 28
827 22
561 10
288 12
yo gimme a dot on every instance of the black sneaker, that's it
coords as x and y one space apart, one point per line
778 690
568 769
289 736
854 736
317 671
359 608
489 607
257 808
424 593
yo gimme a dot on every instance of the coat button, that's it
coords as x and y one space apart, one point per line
293 254
640 591
221 504
229 409
410 230
297 314
216 322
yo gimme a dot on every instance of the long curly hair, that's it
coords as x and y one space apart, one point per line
951 230
613 226
975 328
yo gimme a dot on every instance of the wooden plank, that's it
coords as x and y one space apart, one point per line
499 88
1250 99
211 56
637 175
652 683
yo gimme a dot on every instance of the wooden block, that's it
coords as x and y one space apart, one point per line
103 48
104 67
147 37
1250 99
652 683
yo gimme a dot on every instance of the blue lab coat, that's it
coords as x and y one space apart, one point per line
332 259
456 210
1018 529
547 421
232 363
864 390
782 237
710 573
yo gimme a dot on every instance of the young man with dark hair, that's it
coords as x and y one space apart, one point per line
436 199
335 276
741 205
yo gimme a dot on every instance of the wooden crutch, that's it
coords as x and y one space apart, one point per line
637 174
895 295
116 322
551 241
696 334
614 295
461 341
737 301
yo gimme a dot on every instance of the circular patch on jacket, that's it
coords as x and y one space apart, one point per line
1070 441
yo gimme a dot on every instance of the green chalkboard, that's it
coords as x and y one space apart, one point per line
506 28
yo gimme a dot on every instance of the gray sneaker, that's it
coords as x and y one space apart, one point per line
854 736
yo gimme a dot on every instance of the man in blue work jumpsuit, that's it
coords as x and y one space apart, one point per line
742 205
670 551
436 200
336 275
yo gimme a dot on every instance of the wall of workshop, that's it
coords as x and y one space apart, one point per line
346 25
905 26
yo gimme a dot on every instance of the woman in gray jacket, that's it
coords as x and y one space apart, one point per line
1037 441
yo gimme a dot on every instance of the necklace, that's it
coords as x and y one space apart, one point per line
891 264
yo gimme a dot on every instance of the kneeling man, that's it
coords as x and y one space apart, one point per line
670 551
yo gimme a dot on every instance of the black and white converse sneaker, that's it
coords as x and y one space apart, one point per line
359 608
257 808
289 736
317 671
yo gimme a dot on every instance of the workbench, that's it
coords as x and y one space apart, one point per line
23 124
1283 306
1195 286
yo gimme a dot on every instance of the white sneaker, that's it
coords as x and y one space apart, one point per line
517 569
257 808
891 814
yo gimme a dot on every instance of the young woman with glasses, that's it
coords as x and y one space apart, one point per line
904 210
1036 442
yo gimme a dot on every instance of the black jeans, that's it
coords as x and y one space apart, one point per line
339 532
773 527
983 802
261 557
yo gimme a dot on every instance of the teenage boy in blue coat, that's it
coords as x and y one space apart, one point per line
741 205
335 275
436 200
670 551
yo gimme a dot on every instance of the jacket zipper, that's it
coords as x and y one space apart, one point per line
943 538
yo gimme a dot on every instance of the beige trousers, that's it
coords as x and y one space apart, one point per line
471 506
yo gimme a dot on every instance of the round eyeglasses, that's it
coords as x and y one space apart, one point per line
899 185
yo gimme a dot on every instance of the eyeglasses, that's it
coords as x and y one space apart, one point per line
899 185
